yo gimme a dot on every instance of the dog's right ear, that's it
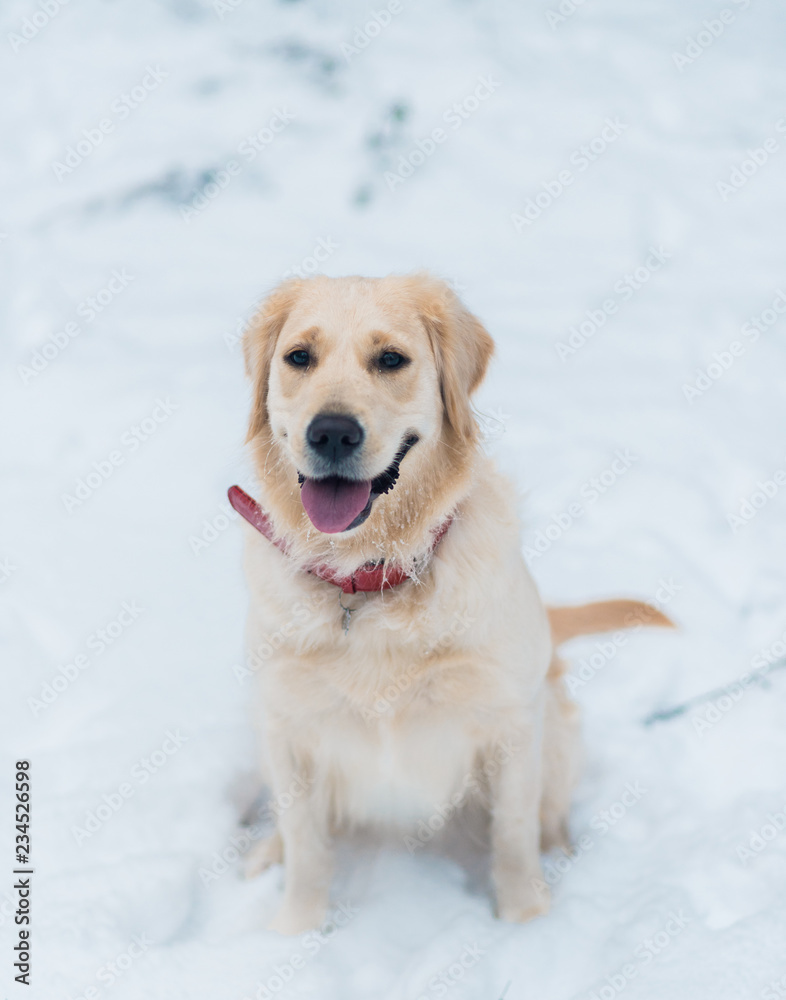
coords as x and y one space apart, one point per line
259 344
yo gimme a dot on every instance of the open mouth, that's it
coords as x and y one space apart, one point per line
336 504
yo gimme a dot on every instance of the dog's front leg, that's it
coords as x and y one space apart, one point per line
308 853
514 769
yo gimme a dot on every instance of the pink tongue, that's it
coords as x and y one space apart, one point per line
334 503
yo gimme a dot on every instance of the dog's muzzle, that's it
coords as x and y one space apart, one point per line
336 503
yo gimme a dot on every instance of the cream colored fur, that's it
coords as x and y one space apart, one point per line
445 678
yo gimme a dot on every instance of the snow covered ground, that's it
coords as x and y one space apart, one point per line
606 192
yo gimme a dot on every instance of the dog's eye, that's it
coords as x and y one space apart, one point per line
298 358
392 359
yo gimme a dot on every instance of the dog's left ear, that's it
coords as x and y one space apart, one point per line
462 348
259 344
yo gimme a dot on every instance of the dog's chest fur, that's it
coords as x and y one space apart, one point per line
394 718
387 718
392 772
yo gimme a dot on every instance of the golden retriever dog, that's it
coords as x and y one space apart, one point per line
405 659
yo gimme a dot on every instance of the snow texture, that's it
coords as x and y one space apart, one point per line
611 278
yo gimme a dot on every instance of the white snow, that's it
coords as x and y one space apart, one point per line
207 80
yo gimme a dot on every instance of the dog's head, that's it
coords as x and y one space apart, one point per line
351 374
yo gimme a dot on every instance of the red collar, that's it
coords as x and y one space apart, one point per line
369 577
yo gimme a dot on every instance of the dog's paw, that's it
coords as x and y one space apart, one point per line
516 914
521 907
262 855
293 920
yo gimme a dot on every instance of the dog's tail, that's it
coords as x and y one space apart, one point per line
603 616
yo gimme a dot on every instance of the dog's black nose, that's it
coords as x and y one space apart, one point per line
334 436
